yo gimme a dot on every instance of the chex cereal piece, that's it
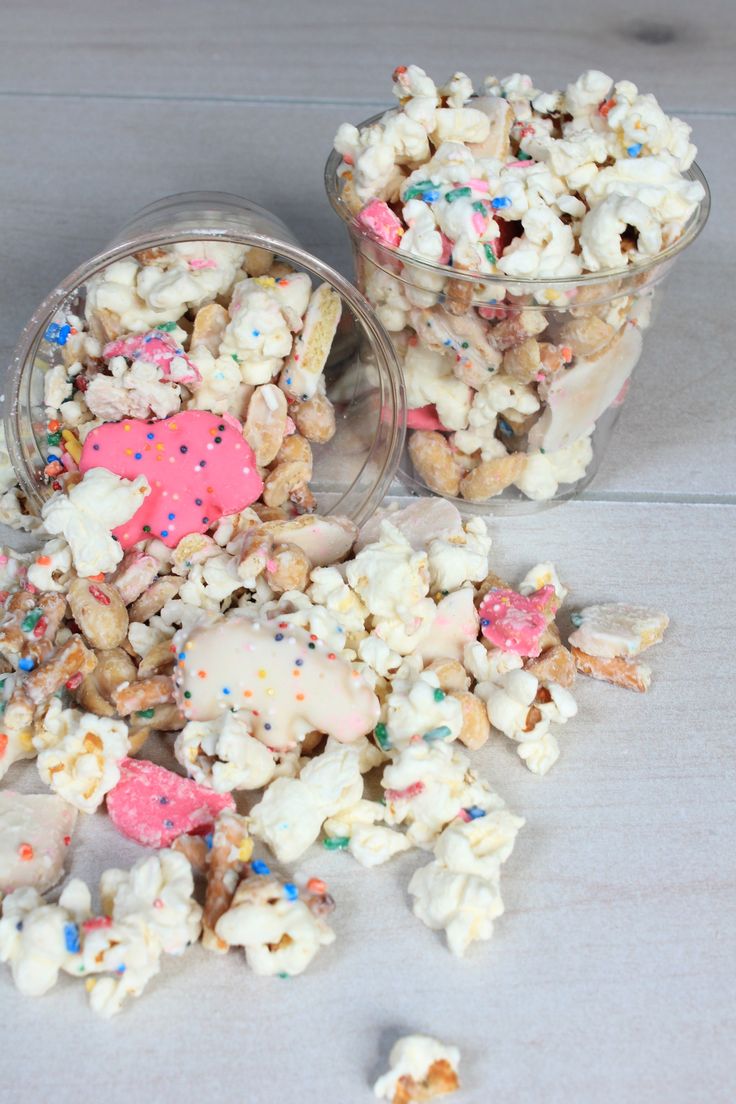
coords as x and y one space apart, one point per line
617 629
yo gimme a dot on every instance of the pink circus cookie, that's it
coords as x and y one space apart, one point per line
425 417
287 680
378 217
153 806
157 347
514 622
198 464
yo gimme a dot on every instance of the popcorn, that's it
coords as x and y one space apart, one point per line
421 711
49 571
456 561
33 939
83 766
88 513
223 754
278 931
421 1068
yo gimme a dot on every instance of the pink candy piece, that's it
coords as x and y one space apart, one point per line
478 185
198 465
515 622
378 217
446 253
153 806
201 262
425 417
156 347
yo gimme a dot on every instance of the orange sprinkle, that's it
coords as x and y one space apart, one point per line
25 852
300 697
247 693
316 885
172 425
54 425
126 427
296 674
159 447
201 674
3 744
128 452
43 561
97 578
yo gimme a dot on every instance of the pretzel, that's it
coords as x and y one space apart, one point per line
435 462
134 697
226 862
194 849
555 664
135 572
159 660
255 552
155 598
523 361
35 621
303 369
95 693
160 718
315 418
99 611
209 326
459 295
492 476
451 674
259 262
619 671
71 659
289 477
265 424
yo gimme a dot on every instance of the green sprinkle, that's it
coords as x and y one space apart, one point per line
439 695
312 646
148 713
53 438
457 193
235 358
381 734
490 255
187 693
479 206
146 528
29 622
417 189
542 451
464 344
523 156
339 843
283 974
577 619
168 326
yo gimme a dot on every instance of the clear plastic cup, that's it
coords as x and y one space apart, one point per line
352 472
567 346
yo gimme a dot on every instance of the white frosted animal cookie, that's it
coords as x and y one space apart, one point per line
421 1068
35 833
325 540
301 373
578 396
617 629
289 682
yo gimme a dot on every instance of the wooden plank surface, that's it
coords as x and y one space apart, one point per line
609 976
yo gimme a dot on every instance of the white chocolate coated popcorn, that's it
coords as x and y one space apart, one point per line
224 755
413 1057
83 766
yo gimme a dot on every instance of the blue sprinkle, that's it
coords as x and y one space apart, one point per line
26 664
267 726
447 342
279 636
198 502
437 733
484 622
288 382
163 800
258 866
52 332
71 938
168 824
19 926
299 662
183 448
635 150
505 428
164 532
475 812
182 655
431 196
290 891
577 619
226 689
138 455
208 840
205 521
171 517
256 333
121 970
501 201
150 436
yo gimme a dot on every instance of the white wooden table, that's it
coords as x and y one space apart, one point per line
610 976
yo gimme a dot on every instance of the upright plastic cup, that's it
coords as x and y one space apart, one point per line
352 472
565 350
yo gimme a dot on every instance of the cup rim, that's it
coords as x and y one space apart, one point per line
692 229
33 332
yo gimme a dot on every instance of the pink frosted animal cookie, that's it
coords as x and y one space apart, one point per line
286 678
378 217
198 464
515 622
159 348
153 806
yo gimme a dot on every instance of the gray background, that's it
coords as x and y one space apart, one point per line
610 976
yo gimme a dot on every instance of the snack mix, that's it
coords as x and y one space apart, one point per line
505 382
310 681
